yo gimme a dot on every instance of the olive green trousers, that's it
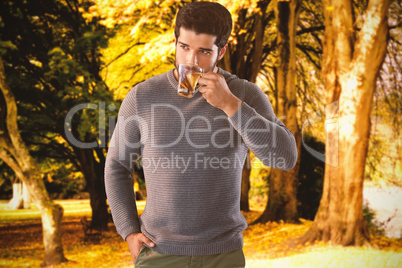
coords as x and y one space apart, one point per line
148 258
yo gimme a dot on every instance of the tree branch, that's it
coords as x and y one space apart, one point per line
124 53
6 143
7 158
11 117
303 49
370 48
310 30
395 26
258 30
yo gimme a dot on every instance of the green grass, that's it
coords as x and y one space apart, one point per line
72 208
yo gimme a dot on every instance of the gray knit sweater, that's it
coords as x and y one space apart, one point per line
192 155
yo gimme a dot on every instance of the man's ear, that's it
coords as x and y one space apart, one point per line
222 52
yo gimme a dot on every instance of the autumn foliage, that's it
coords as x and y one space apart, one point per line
264 244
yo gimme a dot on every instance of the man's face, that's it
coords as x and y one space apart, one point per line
198 49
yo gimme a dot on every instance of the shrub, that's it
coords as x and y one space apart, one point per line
374 226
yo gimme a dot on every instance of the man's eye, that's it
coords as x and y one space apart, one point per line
206 52
184 47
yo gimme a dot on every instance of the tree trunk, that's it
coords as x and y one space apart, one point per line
21 198
244 58
93 174
26 197
52 215
17 201
350 69
282 195
15 154
245 185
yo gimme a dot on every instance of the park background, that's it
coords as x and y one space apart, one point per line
329 69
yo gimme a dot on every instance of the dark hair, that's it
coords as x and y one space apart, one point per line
205 18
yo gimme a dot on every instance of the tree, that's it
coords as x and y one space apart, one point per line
282 201
257 49
15 153
351 63
21 197
384 161
54 67
244 57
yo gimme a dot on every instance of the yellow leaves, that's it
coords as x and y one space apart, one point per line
242 31
270 239
80 79
386 243
109 22
111 12
122 11
125 12
276 239
275 245
136 31
330 8
136 187
93 11
265 245
36 63
143 4
159 47
167 3
60 139
129 10
49 178
235 6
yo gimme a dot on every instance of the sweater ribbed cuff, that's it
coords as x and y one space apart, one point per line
127 230
244 113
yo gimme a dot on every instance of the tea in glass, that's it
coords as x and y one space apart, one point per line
188 79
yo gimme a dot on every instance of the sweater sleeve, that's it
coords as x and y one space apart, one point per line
124 149
266 136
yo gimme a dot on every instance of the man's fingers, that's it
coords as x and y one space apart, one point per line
202 89
207 78
136 240
203 81
146 240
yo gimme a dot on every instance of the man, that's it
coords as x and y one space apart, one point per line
192 152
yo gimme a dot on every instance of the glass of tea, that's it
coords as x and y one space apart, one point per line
188 79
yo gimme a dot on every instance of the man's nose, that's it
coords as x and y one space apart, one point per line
192 57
